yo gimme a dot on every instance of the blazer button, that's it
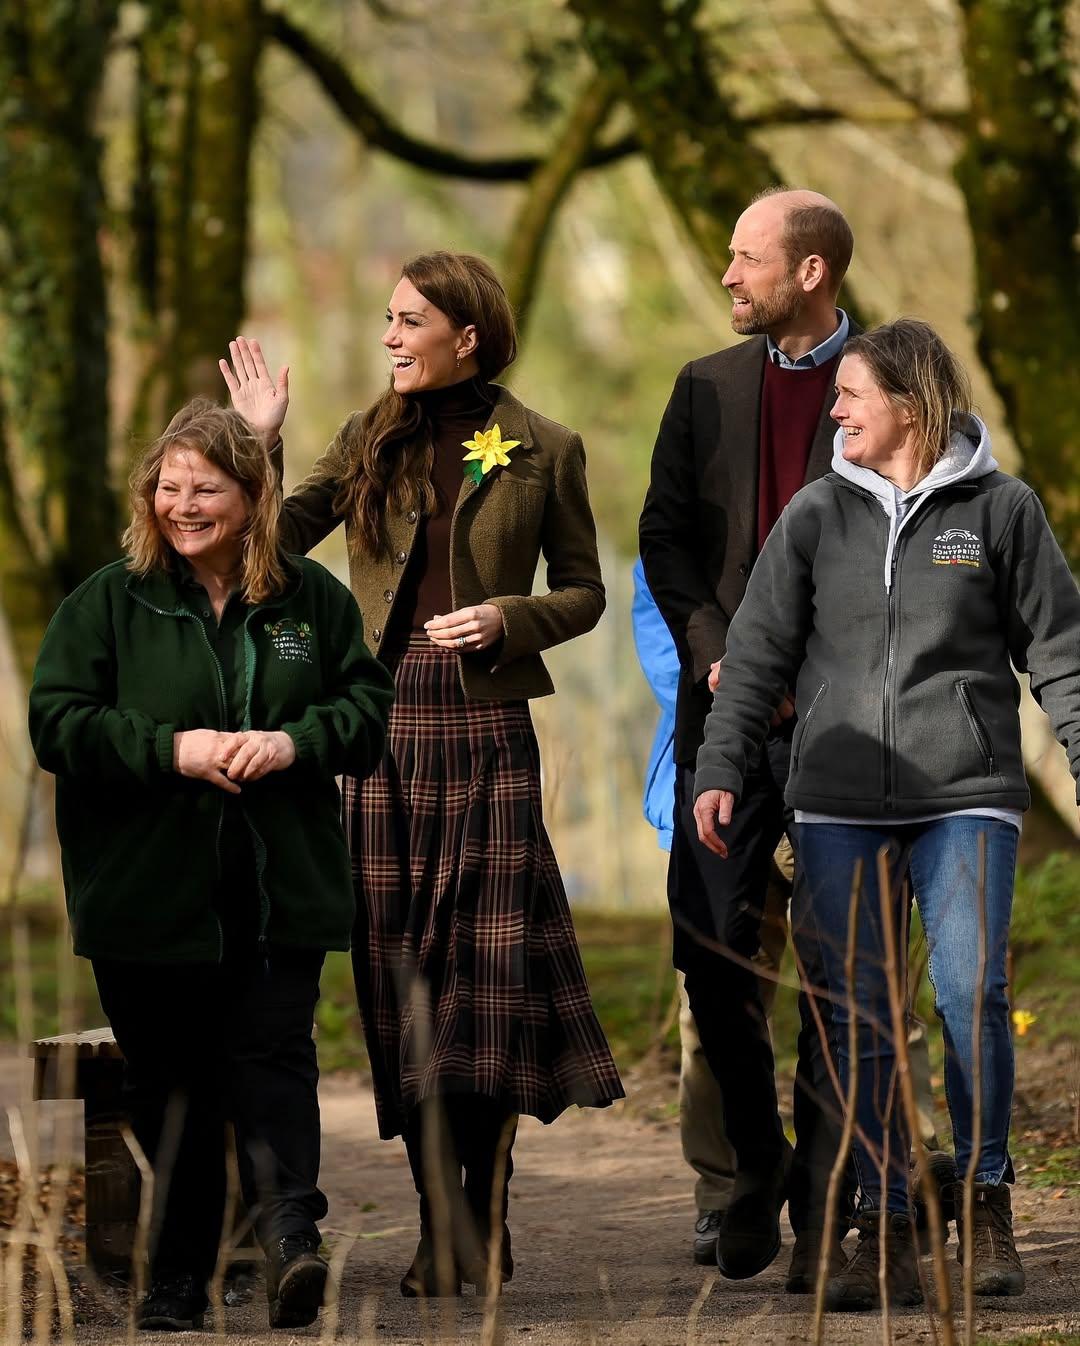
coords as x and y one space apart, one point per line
411 516
389 595
401 558
377 634
744 569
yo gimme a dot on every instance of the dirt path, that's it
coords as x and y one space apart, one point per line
601 1216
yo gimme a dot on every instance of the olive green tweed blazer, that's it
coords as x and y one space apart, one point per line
538 504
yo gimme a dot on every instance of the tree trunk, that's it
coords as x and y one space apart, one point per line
548 186
1020 180
196 114
56 505
704 160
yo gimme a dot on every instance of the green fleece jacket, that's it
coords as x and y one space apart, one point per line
126 664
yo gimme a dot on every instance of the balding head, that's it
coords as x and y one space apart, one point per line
805 224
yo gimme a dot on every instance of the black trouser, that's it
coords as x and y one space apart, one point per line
716 906
460 1150
210 1044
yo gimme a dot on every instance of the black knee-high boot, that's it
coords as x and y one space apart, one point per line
436 1172
484 1133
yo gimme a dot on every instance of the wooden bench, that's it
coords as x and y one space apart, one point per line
90 1066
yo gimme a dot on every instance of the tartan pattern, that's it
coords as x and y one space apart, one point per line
467 967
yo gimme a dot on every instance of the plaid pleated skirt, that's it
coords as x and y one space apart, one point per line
468 972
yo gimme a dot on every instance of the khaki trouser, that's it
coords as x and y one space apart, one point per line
705 1145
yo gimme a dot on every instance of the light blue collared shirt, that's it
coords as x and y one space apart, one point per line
819 355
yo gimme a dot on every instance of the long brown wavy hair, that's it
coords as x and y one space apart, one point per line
390 445
226 440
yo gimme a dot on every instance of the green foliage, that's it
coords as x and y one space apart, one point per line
1045 946
1048 1168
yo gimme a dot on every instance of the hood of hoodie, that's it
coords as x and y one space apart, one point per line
968 457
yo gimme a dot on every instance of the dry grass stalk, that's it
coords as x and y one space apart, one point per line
897 1007
227 1242
976 1103
140 1252
332 1300
15 1258
836 1175
490 1327
433 1127
694 1312
46 1248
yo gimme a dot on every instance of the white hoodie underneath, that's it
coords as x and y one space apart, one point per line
967 457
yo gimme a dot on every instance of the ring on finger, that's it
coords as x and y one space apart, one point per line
461 642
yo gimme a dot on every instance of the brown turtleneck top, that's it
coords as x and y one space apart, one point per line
456 413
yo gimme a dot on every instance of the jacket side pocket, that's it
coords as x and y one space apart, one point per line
797 750
978 729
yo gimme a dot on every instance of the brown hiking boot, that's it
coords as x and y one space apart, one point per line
857 1287
803 1270
996 1265
940 1176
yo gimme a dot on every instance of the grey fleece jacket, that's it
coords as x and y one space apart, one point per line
898 638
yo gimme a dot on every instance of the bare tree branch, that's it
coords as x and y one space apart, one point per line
359 108
864 60
902 114
547 189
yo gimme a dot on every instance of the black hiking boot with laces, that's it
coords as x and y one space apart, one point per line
858 1287
296 1279
996 1264
175 1302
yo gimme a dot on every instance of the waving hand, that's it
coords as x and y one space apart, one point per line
262 402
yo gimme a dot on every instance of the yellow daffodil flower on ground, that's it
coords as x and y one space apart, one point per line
1022 1021
487 449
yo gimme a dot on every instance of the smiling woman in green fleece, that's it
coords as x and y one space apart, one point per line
195 702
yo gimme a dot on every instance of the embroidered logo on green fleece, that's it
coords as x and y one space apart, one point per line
292 640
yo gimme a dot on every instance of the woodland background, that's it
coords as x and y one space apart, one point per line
173 172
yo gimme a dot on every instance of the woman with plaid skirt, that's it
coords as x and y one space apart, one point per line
471 988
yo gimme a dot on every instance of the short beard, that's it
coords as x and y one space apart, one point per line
774 310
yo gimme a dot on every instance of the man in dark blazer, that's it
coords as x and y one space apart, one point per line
744 429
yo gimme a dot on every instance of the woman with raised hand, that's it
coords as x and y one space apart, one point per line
900 591
195 701
471 988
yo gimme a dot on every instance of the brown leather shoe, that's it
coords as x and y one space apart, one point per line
422 1280
805 1256
996 1264
857 1286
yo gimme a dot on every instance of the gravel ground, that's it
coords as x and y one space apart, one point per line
601 1216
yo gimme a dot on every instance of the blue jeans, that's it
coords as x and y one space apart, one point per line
941 862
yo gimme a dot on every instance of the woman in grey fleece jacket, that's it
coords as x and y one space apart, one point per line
896 595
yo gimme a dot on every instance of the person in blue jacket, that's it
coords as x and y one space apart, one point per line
705 1145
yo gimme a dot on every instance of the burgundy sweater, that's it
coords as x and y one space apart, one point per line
791 401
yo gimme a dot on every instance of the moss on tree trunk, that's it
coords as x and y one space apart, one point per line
1020 181
58 517
196 115
704 161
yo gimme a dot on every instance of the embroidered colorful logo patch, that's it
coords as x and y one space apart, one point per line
957 547
291 640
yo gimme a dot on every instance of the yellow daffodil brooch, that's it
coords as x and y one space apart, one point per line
487 449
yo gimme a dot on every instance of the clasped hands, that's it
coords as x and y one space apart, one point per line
223 758
467 629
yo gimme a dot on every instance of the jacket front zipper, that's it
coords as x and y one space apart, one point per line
890 666
223 726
